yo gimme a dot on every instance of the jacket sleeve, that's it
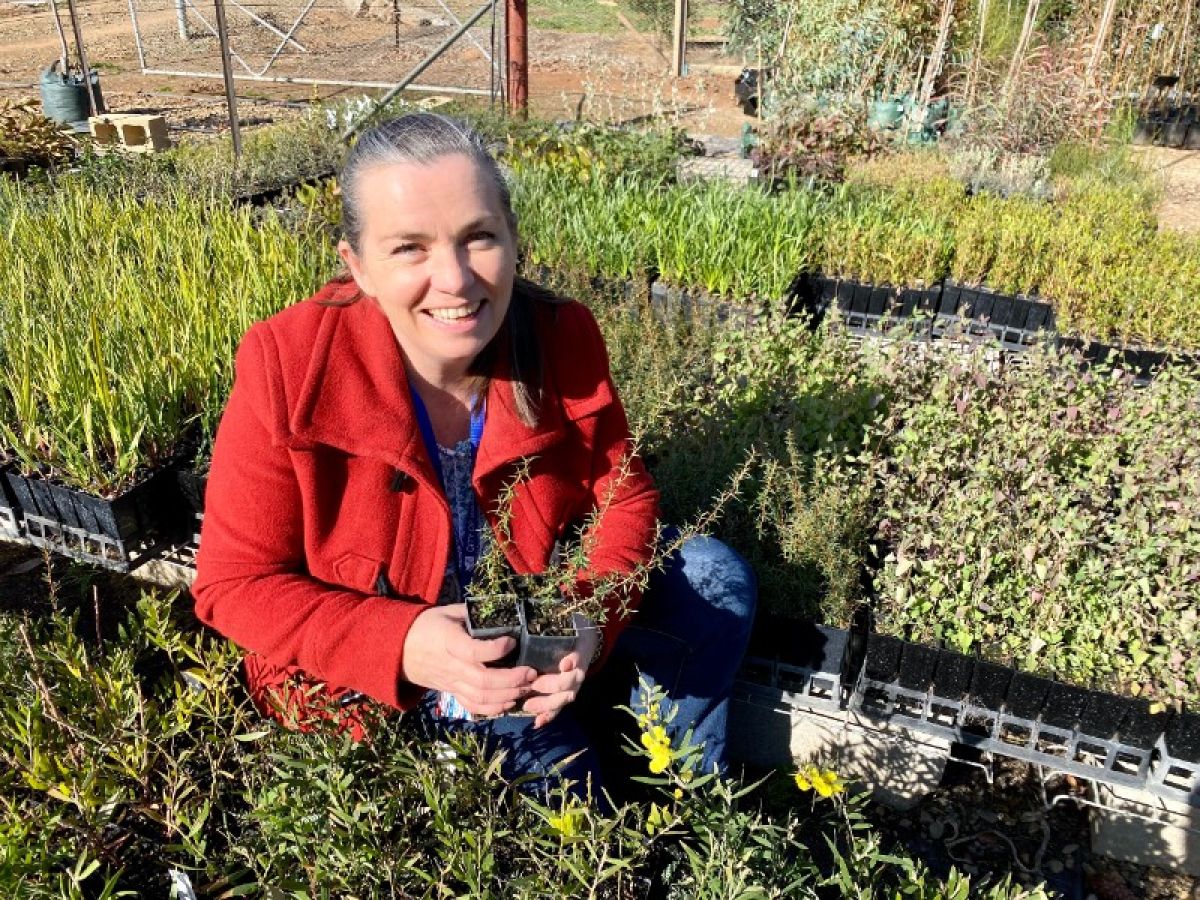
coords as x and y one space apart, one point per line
624 533
253 584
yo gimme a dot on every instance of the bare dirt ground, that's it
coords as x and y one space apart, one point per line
1180 170
618 76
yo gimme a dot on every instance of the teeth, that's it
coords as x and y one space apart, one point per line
459 312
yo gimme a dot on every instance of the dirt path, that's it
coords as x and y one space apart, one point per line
1180 169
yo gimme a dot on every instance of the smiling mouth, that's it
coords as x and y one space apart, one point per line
455 313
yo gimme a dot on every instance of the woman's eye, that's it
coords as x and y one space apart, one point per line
481 237
405 249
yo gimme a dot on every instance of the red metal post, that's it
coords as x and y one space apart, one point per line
517 27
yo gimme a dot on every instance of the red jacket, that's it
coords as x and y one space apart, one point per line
322 499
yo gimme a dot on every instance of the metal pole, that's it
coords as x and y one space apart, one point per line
416 71
62 39
181 19
267 25
517 26
679 44
93 107
453 18
227 74
137 35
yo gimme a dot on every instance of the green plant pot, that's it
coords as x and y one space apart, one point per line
65 95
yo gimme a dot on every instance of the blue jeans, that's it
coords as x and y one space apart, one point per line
688 636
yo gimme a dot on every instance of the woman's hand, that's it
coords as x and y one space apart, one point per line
553 691
439 654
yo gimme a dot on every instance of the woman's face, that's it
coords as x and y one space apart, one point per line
439 257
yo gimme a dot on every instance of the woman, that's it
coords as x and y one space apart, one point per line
357 470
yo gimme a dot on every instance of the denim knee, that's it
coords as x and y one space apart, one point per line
717 573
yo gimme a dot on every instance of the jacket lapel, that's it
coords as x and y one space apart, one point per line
355 396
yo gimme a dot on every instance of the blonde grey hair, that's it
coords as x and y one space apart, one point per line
421 139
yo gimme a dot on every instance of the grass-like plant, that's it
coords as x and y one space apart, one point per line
121 319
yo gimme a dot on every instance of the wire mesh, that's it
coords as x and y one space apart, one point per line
611 60
371 42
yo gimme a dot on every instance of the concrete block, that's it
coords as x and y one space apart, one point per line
769 727
129 131
1140 827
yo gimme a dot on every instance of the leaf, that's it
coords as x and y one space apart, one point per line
251 736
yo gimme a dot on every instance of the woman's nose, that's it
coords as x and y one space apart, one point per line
451 270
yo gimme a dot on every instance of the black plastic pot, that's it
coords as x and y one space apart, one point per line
192 486
989 684
1040 316
952 675
1103 714
1145 131
8 498
140 510
1026 694
882 658
486 633
807 645
1064 706
917 663
862 297
542 652
1142 728
882 297
1174 132
1183 737
1191 140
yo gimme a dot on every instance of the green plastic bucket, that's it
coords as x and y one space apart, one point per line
65 96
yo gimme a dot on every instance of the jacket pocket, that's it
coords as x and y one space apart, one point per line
361 573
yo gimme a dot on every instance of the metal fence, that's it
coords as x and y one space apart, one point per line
591 59
611 60
326 43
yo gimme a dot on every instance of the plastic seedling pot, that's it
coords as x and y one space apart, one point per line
1026 694
1143 132
1040 317
494 616
134 512
1174 132
862 297
1183 737
192 486
1192 140
1103 714
989 684
952 675
917 663
8 497
543 650
881 300
883 657
844 294
1141 728
807 645
950 298
1064 705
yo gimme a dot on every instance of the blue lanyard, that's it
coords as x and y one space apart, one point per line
467 533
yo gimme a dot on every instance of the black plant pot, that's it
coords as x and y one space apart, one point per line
8 497
952 675
1040 316
882 658
1103 714
1026 694
192 486
1064 706
484 632
1145 131
1174 132
917 664
543 651
989 684
862 297
136 512
882 297
807 645
1142 728
1183 737
1191 140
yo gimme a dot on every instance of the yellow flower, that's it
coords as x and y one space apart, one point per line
825 782
655 741
568 823
678 793
828 783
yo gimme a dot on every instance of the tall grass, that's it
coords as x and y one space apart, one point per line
121 319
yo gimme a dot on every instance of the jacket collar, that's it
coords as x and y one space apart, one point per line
355 397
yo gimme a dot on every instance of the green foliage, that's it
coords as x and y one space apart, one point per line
121 318
129 750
